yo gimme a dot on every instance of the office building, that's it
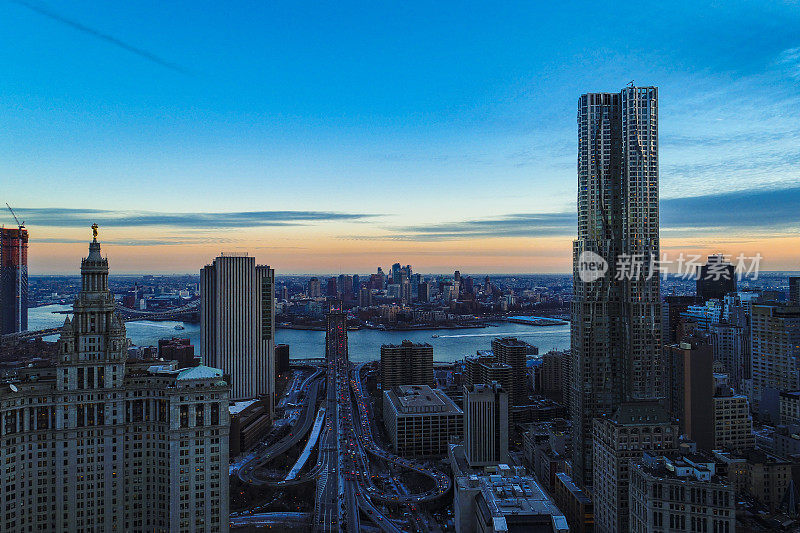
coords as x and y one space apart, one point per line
406 363
575 503
716 278
794 290
405 291
501 500
616 323
514 353
703 316
396 273
180 350
95 441
13 280
790 407
690 374
775 350
331 290
671 311
424 291
281 358
730 350
633 429
314 288
733 424
545 450
420 420
679 493
237 323
365 297
378 280
757 474
345 286
250 422
485 424
554 370
483 368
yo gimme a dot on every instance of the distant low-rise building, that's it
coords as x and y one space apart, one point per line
250 421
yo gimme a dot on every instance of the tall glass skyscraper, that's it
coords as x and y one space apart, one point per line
616 316
237 324
13 280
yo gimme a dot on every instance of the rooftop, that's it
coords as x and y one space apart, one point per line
694 467
420 399
576 491
407 344
507 496
511 342
644 412
200 372
237 407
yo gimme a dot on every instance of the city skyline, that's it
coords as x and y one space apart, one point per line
305 150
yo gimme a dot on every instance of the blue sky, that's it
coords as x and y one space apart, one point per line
384 129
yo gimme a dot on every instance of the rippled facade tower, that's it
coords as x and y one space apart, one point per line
616 329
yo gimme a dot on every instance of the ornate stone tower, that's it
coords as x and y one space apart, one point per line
94 340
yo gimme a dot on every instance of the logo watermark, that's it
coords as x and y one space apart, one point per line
592 266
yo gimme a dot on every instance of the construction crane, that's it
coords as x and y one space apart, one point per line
20 226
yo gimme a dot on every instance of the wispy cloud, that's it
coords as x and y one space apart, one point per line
65 217
167 240
789 61
44 11
761 211
750 137
755 208
512 225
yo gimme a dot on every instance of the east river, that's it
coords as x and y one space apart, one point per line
365 344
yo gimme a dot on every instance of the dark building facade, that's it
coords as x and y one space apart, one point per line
672 309
514 353
177 349
406 363
281 358
250 421
794 290
13 280
690 374
716 278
